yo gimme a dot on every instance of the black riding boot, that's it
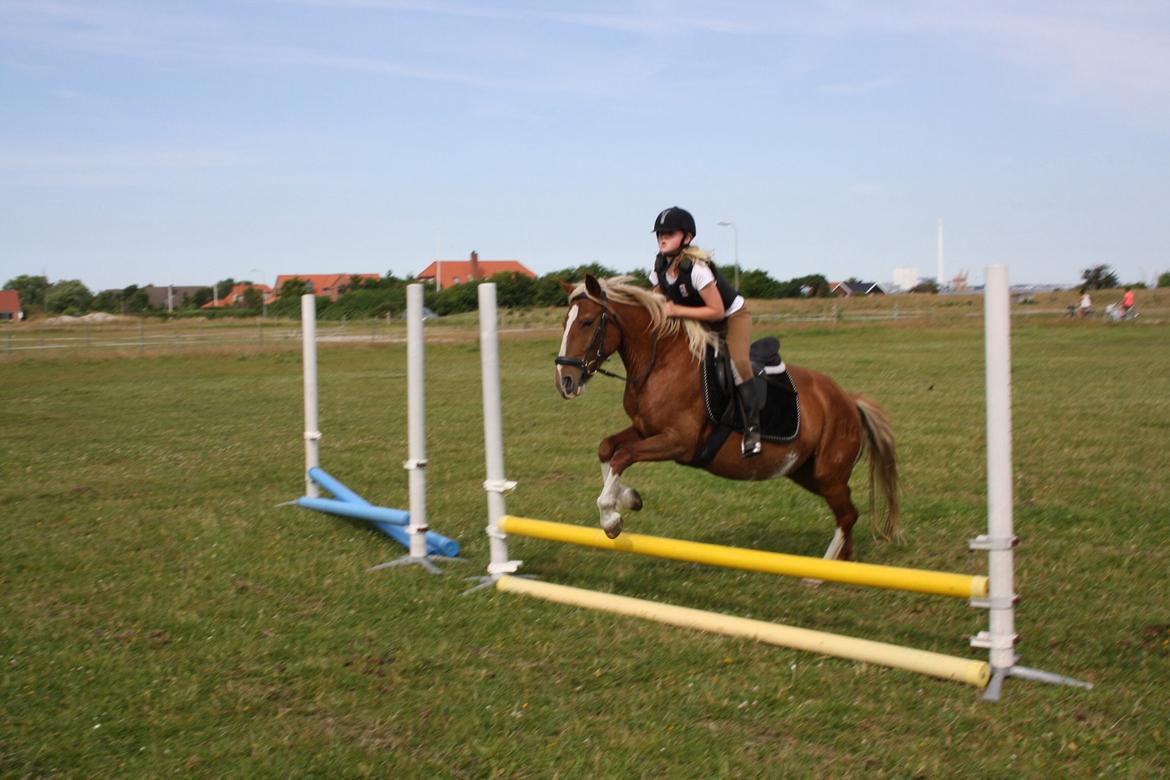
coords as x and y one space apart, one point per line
750 401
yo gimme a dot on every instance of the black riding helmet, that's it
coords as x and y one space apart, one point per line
672 219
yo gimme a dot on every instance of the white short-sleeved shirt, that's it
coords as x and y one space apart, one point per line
701 276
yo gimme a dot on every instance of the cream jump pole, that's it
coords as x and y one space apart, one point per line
424 545
993 592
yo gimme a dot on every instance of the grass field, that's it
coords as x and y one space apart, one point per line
161 615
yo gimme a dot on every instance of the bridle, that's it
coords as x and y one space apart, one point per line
591 364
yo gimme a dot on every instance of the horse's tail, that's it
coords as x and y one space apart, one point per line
883 466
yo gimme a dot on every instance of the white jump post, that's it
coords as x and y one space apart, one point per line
1000 540
309 359
423 544
416 413
416 464
496 485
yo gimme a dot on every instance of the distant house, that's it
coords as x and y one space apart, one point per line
169 297
10 305
236 296
447 273
327 285
849 289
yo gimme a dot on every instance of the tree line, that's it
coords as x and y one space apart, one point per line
380 297
387 296
363 297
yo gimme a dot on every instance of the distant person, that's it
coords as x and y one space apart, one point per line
1126 302
1085 307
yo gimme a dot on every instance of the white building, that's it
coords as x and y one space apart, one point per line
906 278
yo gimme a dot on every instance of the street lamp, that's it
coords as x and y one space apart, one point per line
735 232
263 297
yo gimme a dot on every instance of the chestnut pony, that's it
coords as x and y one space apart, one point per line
664 401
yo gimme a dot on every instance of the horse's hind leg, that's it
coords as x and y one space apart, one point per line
835 491
841 502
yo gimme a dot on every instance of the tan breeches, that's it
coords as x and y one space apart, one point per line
739 342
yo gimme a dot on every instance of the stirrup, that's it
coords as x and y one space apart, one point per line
755 448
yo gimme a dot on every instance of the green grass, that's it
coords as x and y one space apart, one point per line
160 615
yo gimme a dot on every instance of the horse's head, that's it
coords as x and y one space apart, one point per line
592 334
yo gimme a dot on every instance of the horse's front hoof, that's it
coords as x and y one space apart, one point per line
613 527
632 500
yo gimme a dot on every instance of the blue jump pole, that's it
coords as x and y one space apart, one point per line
374 514
388 521
334 486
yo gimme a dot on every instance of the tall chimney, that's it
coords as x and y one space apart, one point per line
474 265
942 283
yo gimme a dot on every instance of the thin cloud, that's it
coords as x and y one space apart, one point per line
206 43
1099 54
658 24
157 159
412 6
1095 47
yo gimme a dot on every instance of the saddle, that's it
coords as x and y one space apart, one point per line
780 415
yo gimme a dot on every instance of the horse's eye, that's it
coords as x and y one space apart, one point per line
586 322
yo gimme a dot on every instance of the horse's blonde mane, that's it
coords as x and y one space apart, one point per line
620 290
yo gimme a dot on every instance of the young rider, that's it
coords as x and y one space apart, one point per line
696 290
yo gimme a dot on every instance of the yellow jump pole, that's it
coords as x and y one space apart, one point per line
891 577
946 667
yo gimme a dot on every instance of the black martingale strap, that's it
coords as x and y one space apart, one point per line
707 449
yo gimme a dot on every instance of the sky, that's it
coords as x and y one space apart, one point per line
175 142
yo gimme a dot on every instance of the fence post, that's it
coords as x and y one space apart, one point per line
141 335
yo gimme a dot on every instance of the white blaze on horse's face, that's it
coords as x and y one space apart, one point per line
570 318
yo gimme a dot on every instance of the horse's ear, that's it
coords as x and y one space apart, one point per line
593 287
568 288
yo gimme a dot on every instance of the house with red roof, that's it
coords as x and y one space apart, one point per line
10 305
446 273
327 285
236 296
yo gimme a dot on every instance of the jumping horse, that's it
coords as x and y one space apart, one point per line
664 402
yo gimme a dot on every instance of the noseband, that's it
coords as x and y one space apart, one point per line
591 363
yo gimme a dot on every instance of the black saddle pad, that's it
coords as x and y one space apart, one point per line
780 417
